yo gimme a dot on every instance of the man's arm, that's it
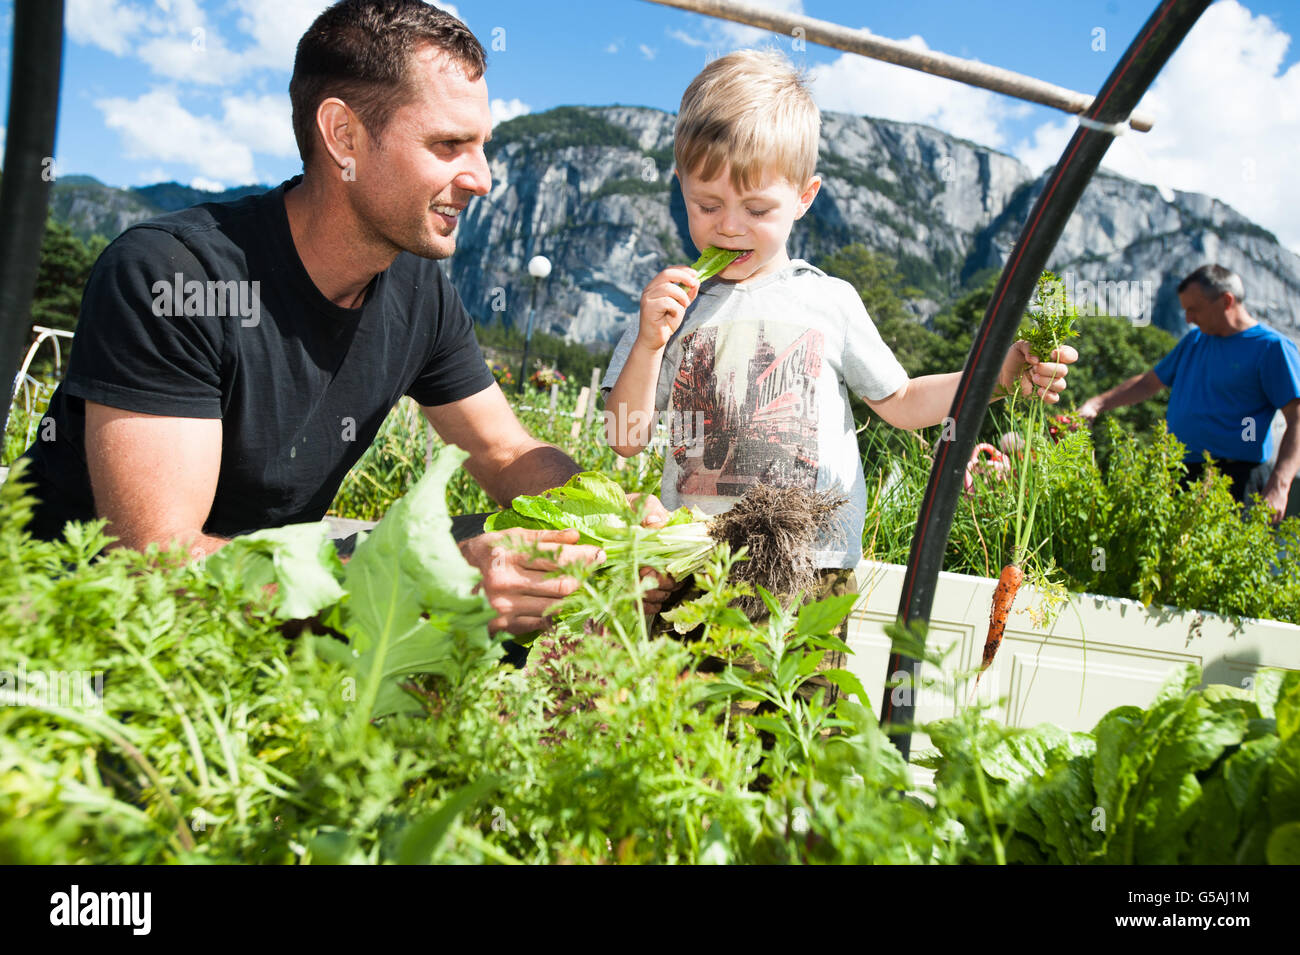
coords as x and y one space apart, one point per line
504 458
1278 488
153 477
1136 389
507 461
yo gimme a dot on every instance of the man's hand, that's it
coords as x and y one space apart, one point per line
1090 409
515 583
1275 495
1044 378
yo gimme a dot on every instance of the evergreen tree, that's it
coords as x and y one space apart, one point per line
65 267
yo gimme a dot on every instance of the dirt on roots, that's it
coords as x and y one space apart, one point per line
781 527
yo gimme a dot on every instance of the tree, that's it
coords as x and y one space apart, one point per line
65 267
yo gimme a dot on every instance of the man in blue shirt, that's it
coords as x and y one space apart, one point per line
1228 376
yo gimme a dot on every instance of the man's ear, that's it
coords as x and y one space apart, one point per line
808 195
340 132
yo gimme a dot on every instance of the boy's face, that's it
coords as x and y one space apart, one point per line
757 220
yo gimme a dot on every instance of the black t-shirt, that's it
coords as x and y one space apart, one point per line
210 313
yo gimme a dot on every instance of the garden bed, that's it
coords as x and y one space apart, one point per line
1099 652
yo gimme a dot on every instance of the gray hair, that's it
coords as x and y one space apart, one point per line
1214 280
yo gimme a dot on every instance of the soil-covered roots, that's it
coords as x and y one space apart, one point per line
782 528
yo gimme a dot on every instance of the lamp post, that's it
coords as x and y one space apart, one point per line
539 266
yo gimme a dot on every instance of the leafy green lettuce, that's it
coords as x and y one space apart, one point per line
596 507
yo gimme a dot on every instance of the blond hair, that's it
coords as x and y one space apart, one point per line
751 110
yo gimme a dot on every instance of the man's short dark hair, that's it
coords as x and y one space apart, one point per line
1214 281
360 51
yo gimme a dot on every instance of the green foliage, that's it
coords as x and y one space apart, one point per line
1160 542
24 422
712 261
393 463
571 359
1125 528
1050 319
1112 350
1204 777
65 267
221 735
561 128
225 727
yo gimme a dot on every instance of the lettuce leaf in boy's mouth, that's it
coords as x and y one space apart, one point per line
713 260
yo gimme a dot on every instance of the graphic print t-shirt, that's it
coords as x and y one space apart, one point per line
755 387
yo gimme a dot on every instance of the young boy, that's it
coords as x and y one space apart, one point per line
755 367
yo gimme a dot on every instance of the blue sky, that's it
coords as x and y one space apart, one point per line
195 90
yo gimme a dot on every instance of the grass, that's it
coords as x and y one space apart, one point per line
24 422
398 457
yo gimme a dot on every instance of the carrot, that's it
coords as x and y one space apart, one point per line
1003 597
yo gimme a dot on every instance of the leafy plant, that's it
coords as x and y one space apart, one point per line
1202 776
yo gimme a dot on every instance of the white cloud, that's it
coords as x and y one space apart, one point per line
647 52
107 24
858 84
613 46
207 185
1227 122
276 28
263 123
503 110
156 126
689 39
1045 145
176 39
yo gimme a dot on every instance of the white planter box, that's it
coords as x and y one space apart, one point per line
1100 653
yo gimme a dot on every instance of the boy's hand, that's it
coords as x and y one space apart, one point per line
1029 374
664 302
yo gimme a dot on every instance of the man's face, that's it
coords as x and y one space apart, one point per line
412 188
757 220
1205 313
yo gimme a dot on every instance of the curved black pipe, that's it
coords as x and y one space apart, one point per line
28 170
1136 70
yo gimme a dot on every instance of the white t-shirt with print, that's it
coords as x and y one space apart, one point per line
755 387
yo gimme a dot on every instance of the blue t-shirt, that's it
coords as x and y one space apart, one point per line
1225 390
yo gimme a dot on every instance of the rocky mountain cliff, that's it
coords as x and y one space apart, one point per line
591 188
89 207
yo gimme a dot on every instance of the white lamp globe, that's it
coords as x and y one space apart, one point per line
539 266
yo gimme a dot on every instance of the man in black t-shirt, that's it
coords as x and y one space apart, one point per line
232 362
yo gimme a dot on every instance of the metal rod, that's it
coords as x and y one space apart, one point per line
28 168
1136 70
863 43
528 334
